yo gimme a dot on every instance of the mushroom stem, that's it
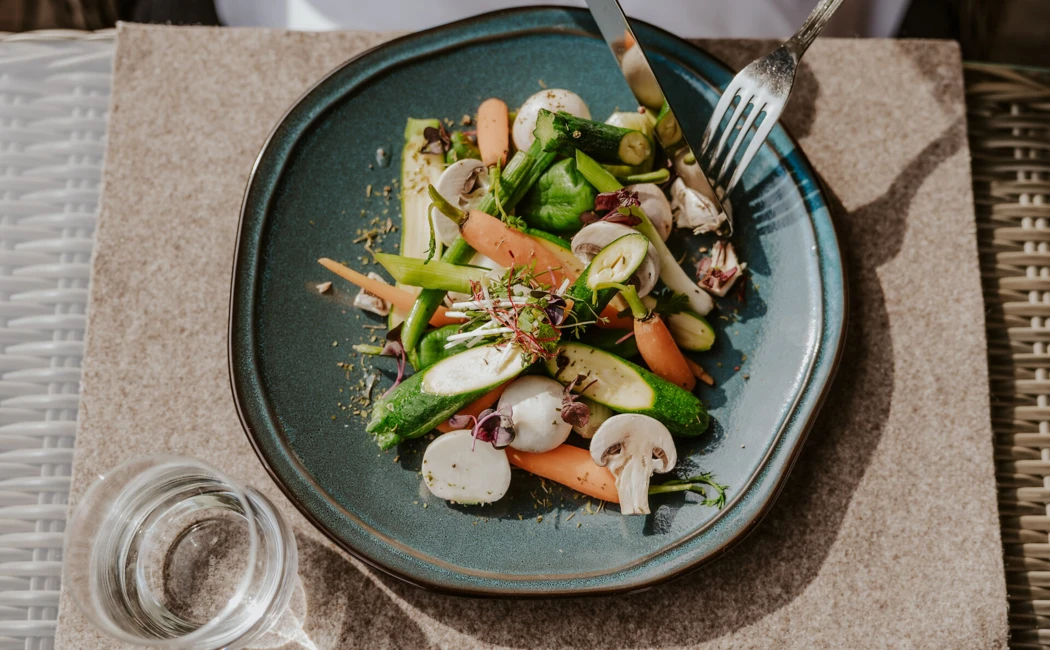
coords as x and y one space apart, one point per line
446 208
632 483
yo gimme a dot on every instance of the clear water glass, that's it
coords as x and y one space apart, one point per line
170 552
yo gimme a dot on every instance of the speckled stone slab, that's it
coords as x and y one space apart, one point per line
886 534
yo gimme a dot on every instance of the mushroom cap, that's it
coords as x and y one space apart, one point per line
552 99
634 434
463 184
655 206
535 405
593 237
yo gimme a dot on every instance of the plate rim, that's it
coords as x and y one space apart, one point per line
770 495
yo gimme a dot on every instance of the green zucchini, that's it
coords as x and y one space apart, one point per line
558 199
639 122
606 339
628 388
617 262
563 133
690 330
434 274
671 272
561 248
431 348
521 172
668 132
461 148
418 170
433 394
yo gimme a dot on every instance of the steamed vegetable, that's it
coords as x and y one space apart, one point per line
558 199
670 272
458 468
534 403
430 275
570 466
493 132
551 99
633 447
618 342
399 298
430 396
565 134
431 348
628 388
596 236
464 184
639 122
461 147
690 330
656 344
616 262
475 408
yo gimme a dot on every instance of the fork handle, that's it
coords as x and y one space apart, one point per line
805 35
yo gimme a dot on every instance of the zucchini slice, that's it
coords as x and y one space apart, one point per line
433 394
418 170
690 330
627 388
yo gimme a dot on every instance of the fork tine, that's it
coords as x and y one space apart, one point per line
724 102
752 148
756 109
745 99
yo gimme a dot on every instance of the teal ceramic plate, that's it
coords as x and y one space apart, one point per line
775 356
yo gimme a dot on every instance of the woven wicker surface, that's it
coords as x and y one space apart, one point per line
53 98
1009 122
54 94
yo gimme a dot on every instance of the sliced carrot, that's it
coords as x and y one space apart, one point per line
399 298
509 247
572 467
493 131
488 400
661 353
613 319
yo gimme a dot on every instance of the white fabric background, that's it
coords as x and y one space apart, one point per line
686 18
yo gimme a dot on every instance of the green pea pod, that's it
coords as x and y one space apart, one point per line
461 148
558 199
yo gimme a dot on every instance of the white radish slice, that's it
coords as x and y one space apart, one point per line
535 406
458 468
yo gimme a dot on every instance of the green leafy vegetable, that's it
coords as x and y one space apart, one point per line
558 199
697 484
671 303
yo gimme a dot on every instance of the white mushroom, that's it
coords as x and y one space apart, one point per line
633 446
552 99
371 302
596 236
534 403
458 468
691 209
599 413
688 169
463 184
641 79
655 206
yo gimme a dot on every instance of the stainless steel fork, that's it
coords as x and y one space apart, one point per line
764 85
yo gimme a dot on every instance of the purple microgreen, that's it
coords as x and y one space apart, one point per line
623 216
625 337
556 310
589 217
394 348
438 140
495 427
462 421
622 198
572 411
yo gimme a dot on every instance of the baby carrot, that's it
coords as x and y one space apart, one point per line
509 247
572 467
493 131
661 353
398 298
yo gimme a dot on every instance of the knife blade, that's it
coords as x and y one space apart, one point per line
634 64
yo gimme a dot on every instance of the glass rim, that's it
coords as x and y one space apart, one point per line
149 462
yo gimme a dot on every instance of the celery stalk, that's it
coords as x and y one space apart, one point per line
430 275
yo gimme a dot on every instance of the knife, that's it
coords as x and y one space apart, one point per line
633 63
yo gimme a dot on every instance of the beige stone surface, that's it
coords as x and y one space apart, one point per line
886 534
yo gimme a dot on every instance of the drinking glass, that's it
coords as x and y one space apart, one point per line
170 552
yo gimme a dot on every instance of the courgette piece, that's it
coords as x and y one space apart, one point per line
671 273
562 133
690 330
431 348
617 262
518 176
435 274
639 122
418 170
628 388
433 394
668 132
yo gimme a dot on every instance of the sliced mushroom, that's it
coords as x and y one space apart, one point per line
535 403
552 99
693 210
655 206
462 184
371 302
458 468
633 447
596 236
